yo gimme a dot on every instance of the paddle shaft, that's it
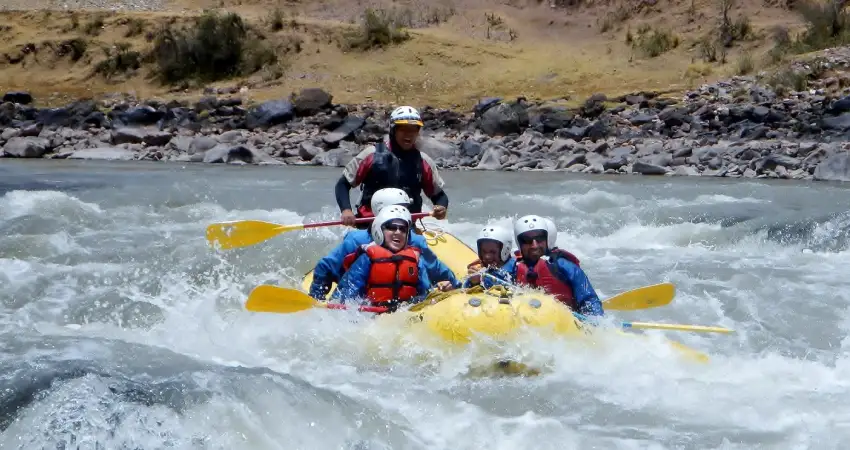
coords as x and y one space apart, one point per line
363 308
662 326
665 326
416 216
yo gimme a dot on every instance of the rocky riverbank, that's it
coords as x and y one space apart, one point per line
734 128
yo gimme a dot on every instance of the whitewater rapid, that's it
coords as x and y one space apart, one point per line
121 329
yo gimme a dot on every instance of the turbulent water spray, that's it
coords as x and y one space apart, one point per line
120 328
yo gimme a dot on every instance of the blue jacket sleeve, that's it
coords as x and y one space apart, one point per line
502 276
329 268
586 299
424 287
353 282
437 270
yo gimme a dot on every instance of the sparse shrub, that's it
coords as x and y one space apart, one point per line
828 25
418 15
786 79
74 48
74 22
496 29
276 20
696 72
654 42
742 29
494 22
378 30
730 30
708 49
745 64
94 27
613 19
256 55
135 27
781 45
216 48
119 59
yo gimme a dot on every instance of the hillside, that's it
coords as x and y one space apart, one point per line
445 53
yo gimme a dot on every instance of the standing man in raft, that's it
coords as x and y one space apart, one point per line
394 163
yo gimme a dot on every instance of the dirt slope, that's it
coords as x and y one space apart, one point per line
457 51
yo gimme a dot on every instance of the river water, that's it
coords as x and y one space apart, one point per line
121 329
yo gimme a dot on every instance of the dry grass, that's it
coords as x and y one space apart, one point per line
535 51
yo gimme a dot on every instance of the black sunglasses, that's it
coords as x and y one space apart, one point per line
395 227
529 239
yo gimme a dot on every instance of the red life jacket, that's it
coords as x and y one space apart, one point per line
393 276
546 278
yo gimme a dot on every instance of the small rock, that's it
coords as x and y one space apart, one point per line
19 97
310 101
104 153
436 148
645 168
308 151
269 114
834 168
490 159
26 147
344 131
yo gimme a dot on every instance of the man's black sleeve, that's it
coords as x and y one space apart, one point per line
342 198
441 199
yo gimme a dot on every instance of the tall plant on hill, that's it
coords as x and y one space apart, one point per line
218 47
828 24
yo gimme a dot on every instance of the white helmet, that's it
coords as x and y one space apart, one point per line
498 234
389 196
531 223
552 234
387 214
405 115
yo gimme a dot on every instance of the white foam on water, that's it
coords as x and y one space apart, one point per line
144 275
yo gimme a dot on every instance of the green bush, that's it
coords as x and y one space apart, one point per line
218 47
380 29
828 25
653 43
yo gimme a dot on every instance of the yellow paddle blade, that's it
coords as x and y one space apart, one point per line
267 298
246 232
642 298
691 353
666 326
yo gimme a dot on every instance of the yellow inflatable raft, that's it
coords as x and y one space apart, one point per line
458 316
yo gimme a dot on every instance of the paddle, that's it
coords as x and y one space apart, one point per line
642 298
267 298
274 299
666 326
249 232
662 326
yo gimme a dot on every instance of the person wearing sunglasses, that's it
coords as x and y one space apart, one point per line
540 264
388 271
494 257
331 268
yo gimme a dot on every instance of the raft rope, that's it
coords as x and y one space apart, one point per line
434 234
